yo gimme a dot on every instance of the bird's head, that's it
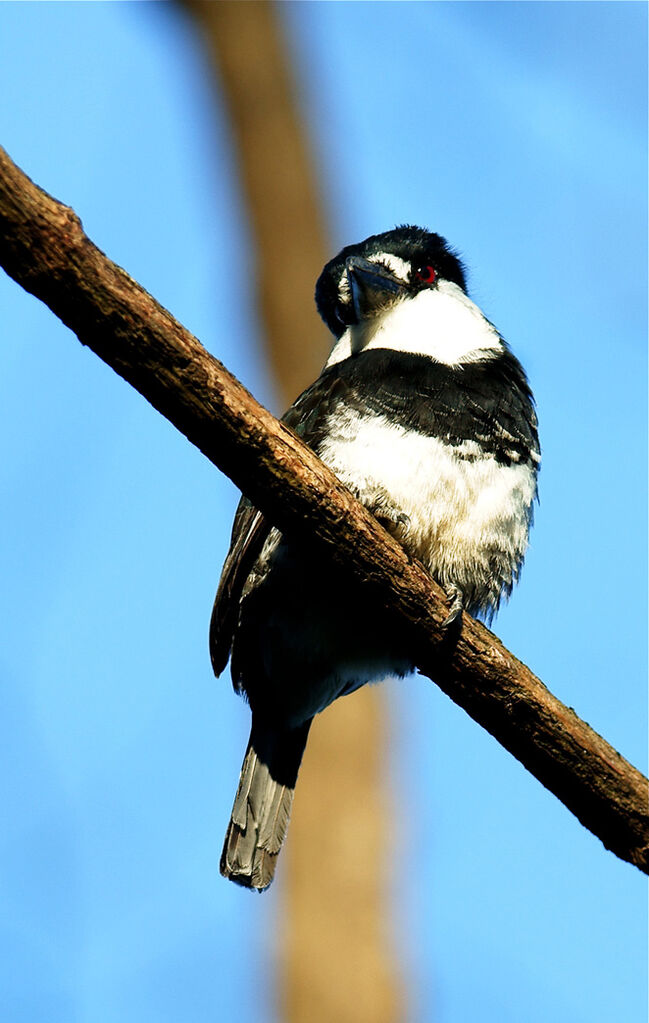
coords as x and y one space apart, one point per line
405 291
365 280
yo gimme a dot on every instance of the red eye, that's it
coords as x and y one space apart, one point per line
425 274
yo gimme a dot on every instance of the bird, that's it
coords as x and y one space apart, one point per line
426 415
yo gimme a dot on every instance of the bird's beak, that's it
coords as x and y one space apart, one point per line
373 287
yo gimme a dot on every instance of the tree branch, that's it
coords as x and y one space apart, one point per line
252 67
44 248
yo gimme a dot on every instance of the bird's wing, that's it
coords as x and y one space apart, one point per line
249 533
251 528
308 416
488 401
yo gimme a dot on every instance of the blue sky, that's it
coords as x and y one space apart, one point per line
518 130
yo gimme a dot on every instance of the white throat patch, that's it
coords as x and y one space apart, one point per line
440 322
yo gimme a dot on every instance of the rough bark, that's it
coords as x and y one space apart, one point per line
43 247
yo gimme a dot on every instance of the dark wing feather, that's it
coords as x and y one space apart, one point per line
309 415
251 529
489 401
249 533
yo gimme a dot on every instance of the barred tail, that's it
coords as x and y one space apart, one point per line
262 805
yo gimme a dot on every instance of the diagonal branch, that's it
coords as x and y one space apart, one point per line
44 248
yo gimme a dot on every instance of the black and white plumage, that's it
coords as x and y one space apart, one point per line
424 412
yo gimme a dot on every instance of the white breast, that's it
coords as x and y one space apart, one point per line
441 322
464 511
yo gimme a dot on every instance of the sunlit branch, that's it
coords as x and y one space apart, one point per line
44 248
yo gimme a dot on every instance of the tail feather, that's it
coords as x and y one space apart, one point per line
262 805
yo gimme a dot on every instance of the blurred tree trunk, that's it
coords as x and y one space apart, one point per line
335 957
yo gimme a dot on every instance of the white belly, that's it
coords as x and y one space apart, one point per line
469 515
